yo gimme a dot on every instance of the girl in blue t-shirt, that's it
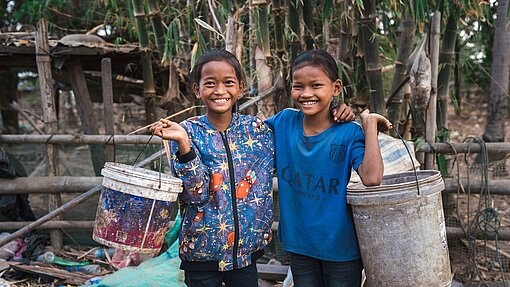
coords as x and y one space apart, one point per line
314 158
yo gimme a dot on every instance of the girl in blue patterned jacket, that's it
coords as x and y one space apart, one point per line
226 162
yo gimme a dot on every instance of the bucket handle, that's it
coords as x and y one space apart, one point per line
394 126
160 157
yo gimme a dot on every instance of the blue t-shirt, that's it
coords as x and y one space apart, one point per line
313 172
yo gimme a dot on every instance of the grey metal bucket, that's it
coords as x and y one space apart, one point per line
401 230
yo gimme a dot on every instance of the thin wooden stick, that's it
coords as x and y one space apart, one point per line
87 253
14 105
167 118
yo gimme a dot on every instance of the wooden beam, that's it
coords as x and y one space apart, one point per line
272 272
106 76
50 117
86 111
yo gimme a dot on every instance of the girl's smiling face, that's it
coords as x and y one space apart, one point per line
218 88
312 91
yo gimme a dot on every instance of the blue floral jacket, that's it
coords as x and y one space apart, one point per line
227 193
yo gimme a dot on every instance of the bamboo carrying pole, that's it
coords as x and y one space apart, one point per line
68 205
50 116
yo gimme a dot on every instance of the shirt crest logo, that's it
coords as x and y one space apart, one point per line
337 153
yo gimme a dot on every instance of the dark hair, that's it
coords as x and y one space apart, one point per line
316 58
216 55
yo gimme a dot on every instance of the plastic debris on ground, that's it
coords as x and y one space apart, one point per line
156 272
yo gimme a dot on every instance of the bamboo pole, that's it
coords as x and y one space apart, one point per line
49 116
106 76
79 139
53 184
70 184
442 148
430 130
14 225
68 205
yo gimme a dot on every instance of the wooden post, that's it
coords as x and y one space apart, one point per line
430 129
43 60
86 111
106 76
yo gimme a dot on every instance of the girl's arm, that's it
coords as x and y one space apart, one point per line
187 164
372 168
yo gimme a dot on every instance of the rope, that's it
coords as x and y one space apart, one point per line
487 219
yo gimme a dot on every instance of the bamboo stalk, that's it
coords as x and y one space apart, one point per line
405 44
293 20
371 56
443 78
430 130
149 90
157 27
309 27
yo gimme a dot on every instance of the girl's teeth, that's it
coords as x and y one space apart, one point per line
221 100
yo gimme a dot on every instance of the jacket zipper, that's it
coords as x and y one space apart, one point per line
233 196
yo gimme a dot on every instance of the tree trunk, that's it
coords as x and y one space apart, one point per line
497 103
371 54
405 45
